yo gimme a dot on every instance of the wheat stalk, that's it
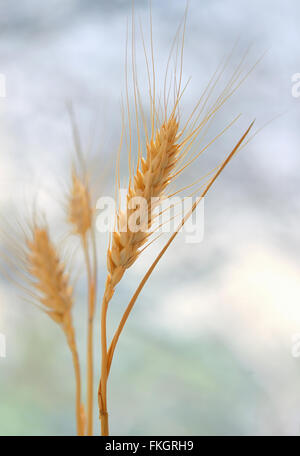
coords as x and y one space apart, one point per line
167 156
80 216
152 177
53 290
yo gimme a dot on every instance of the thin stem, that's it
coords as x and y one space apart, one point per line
91 310
150 270
102 394
79 407
79 418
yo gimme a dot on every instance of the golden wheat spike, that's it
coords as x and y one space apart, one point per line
152 176
50 279
151 179
51 282
79 210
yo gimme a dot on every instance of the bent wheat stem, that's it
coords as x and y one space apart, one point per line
162 252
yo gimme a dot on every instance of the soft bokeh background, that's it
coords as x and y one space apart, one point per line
208 348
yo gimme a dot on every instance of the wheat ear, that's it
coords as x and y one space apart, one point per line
153 175
80 216
151 179
51 283
169 153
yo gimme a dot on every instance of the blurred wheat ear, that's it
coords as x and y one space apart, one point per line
36 265
53 290
80 212
80 216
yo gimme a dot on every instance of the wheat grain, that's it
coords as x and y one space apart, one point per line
51 283
50 279
79 210
150 181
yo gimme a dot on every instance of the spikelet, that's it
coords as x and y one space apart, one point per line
51 283
49 278
150 181
79 209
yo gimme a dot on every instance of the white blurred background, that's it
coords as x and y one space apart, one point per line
208 347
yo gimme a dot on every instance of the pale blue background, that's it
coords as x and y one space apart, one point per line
208 347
